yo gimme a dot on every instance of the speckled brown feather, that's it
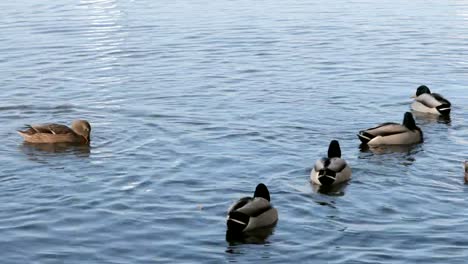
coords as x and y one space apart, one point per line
51 133
466 171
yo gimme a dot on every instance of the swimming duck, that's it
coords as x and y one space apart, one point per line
393 133
331 170
466 171
250 213
55 133
427 102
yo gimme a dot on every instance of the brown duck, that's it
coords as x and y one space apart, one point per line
56 133
466 171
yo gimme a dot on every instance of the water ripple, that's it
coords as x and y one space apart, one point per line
193 103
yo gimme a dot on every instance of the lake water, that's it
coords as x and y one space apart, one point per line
192 103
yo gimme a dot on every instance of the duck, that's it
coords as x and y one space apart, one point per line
252 213
393 133
427 102
466 171
331 170
79 133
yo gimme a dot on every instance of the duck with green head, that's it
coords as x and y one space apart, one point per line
251 213
427 102
393 133
331 170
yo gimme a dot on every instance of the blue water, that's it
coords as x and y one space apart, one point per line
192 103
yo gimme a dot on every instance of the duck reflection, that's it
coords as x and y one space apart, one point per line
431 118
333 190
385 149
257 236
32 149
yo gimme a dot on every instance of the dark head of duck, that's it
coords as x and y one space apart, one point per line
262 191
334 150
422 90
408 121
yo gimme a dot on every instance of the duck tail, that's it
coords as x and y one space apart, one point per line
365 137
326 177
444 109
23 133
237 221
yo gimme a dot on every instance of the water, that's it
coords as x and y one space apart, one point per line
192 103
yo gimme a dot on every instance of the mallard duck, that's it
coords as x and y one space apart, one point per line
55 133
250 213
331 170
466 171
427 102
393 133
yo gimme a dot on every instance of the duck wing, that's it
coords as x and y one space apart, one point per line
241 202
441 99
320 164
255 207
444 107
385 129
333 164
337 164
429 100
55 129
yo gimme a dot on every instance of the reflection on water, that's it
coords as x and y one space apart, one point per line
431 118
386 149
258 236
34 149
190 101
334 190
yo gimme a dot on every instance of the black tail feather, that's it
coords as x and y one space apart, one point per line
326 177
237 221
365 137
444 109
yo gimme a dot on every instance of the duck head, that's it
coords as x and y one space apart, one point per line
262 191
408 121
82 128
334 150
422 90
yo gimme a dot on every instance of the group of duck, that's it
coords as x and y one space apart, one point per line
251 213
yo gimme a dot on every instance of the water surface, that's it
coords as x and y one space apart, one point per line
193 103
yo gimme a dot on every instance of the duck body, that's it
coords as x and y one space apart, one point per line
466 171
331 170
57 133
251 213
427 102
393 133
